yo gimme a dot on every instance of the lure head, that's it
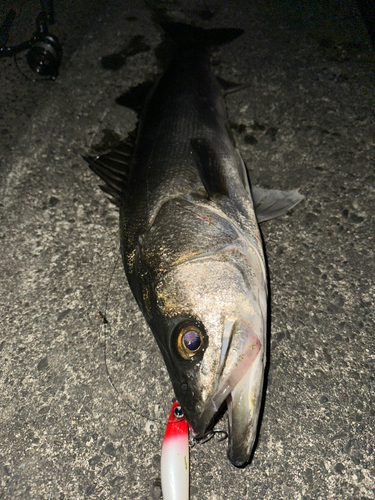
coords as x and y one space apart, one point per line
177 425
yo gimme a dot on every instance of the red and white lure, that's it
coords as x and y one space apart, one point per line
175 456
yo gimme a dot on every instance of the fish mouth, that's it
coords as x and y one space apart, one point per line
239 384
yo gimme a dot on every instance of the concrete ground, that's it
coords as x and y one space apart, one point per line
83 403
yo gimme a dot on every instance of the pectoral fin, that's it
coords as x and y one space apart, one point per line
220 173
271 203
228 176
210 167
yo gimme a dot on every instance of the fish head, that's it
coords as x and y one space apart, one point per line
209 318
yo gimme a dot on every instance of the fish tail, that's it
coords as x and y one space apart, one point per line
187 36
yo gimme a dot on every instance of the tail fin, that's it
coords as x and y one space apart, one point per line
185 35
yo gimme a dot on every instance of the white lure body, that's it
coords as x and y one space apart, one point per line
175 457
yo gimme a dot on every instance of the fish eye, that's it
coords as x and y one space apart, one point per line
189 341
177 412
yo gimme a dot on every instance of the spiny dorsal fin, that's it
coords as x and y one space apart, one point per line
113 168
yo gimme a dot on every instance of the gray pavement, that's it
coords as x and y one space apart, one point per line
83 404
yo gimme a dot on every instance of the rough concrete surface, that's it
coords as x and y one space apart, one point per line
83 403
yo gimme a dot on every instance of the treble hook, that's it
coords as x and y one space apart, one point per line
209 435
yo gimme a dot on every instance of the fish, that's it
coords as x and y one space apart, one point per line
175 456
190 240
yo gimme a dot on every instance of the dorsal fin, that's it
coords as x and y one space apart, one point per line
113 168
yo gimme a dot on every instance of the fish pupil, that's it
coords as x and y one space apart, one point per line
177 412
192 340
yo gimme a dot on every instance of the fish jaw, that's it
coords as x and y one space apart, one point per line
244 404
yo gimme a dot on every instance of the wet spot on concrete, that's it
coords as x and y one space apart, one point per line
258 126
309 475
110 450
117 480
63 315
339 468
105 470
43 364
311 217
357 458
90 489
238 127
94 460
53 201
44 410
272 133
250 139
327 356
280 336
357 219
334 309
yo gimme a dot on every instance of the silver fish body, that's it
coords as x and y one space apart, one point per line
192 248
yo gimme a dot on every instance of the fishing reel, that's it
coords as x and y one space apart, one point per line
44 56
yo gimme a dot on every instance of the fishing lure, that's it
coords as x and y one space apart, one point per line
175 456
